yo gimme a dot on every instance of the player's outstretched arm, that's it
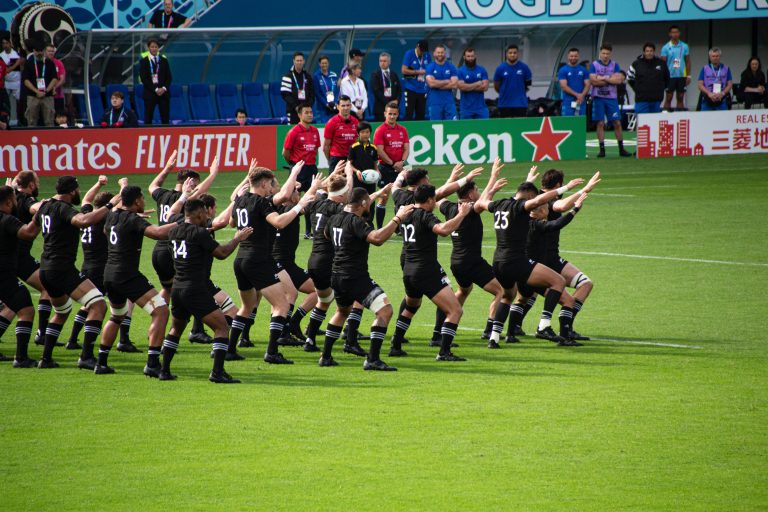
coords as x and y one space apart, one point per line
222 251
494 185
83 220
91 194
448 227
451 187
560 223
160 178
552 194
279 221
383 234
206 184
286 191
187 189
384 191
565 204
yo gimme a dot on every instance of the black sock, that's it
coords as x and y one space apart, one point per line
287 327
550 303
527 306
125 330
516 312
307 223
621 145
23 333
170 346
448 333
577 305
197 326
332 333
377 340
402 308
353 325
602 145
220 346
153 356
381 211
92 331
248 324
77 325
44 309
276 324
488 327
296 319
238 324
104 354
566 317
401 327
4 325
52 332
502 312
437 330
316 318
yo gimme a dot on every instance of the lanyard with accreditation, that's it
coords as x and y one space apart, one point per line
40 77
302 93
328 90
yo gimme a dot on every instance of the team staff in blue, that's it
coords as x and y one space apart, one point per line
326 91
442 80
414 73
678 59
605 77
473 82
511 80
574 85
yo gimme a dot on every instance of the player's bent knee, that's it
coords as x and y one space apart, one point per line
154 303
63 309
226 304
327 299
91 298
115 319
378 303
119 311
579 280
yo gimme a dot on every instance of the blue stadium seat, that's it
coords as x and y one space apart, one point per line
179 108
369 111
201 104
97 103
276 101
228 100
138 96
255 101
118 87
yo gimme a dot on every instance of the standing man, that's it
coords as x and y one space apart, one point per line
511 80
442 80
325 83
473 83
296 88
385 85
715 83
40 79
574 85
301 144
156 77
340 133
605 77
649 77
61 74
167 18
678 60
415 82
12 73
392 143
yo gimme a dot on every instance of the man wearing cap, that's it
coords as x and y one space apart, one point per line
414 73
355 57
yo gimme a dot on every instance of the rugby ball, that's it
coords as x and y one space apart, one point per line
371 176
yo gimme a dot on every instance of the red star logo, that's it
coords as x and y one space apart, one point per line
546 141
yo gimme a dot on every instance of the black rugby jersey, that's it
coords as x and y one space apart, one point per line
192 249
94 243
349 235
468 237
60 237
125 236
510 220
252 210
419 241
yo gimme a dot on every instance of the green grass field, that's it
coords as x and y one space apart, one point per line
666 410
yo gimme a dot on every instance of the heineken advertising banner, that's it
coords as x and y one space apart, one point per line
530 139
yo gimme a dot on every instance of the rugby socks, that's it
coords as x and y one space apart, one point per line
276 325
502 312
238 327
353 325
44 309
247 325
377 340
286 328
402 308
550 302
153 357
125 329
516 313
104 354
23 333
228 319
92 331
52 332
577 305
488 327
528 305
4 325
566 319
332 333
170 346
401 327
381 211
437 330
316 318
220 346
448 333
78 324
296 318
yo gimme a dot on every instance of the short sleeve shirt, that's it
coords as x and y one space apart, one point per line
575 76
60 237
412 82
420 242
510 221
349 235
513 78
675 55
9 228
303 144
192 248
363 156
125 236
342 134
468 238
393 138
474 100
94 243
444 71
252 210
162 20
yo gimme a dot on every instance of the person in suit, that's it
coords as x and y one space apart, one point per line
385 85
155 74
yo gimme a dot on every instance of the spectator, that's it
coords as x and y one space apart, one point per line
118 116
302 143
677 56
340 133
715 83
5 104
39 83
12 73
512 80
241 117
385 85
167 18
156 77
354 87
649 77
605 76
325 83
442 80
574 85
296 88
63 120
61 74
355 57
414 80
753 84
473 82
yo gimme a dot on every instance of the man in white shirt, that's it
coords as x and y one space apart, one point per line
13 76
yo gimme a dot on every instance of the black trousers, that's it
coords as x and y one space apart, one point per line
415 103
162 102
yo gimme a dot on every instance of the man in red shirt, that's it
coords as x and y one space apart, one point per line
392 143
302 143
340 133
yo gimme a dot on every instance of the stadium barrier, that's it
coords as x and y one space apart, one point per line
138 150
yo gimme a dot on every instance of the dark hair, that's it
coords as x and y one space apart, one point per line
512 47
153 40
130 195
673 27
241 111
208 200
606 46
182 175
35 45
649 45
192 206
759 64
301 106
363 126
440 46
393 104
574 49
464 191
323 57
66 185
7 193
357 196
414 176
467 49
344 97
61 113
528 187
423 193
261 175
118 94
25 178
298 54
552 178
102 198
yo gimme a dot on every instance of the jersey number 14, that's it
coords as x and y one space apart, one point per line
180 249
